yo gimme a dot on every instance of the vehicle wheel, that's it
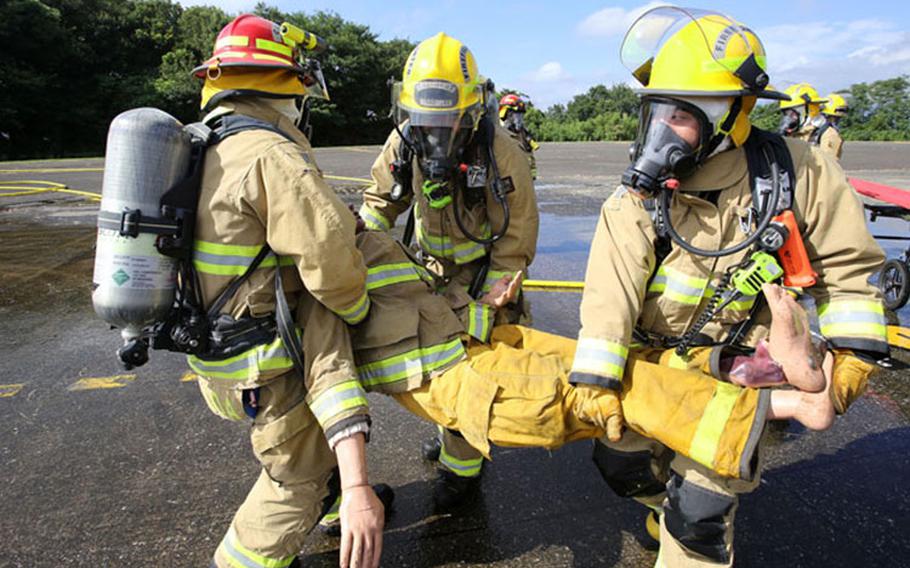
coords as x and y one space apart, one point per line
894 282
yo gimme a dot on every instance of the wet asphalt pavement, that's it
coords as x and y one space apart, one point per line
142 474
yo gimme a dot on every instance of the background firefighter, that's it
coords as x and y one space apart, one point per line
685 222
512 115
473 208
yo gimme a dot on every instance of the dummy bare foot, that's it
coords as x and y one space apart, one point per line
756 370
815 410
790 343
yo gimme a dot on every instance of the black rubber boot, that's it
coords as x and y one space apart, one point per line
430 449
330 524
452 492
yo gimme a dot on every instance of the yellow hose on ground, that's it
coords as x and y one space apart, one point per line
553 286
30 187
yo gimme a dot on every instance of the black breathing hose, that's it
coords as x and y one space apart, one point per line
767 215
496 189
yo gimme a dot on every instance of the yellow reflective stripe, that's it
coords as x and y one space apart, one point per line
268 357
266 57
600 357
233 41
492 277
357 312
269 45
374 220
336 399
234 54
479 321
411 363
704 443
461 468
388 274
851 318
740 305
678 286
236 270
225 249
442 246
242 557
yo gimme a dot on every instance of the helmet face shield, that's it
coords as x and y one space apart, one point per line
721 46
439 128
671 135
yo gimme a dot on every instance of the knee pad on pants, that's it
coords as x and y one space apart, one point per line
627 473
697 518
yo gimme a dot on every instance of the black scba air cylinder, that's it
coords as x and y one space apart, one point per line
148 152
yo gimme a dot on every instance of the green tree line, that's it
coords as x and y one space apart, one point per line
878 111
70 66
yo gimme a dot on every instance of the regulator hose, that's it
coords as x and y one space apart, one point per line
767 215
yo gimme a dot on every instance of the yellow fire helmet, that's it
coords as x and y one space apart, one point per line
677 51
836 105
803 95
440 86
705 58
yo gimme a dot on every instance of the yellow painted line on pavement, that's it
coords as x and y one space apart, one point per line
346 178
50 170
553 286
8 391
94 383
189 377
353 149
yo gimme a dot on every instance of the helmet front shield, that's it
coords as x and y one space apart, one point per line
721 46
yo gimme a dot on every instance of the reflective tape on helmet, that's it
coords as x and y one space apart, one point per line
247 365
232 41
480 321
217 259
461 468
678 286
268 45
387 274
374 220
600 357
442 246
717 412
355 314
267 57
415 362
240 556
337 399
853 318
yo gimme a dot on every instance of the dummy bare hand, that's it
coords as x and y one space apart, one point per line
600 407
503 291
361 225
362 519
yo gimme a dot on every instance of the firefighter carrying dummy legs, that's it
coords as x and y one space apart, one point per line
473 210
264 208
514 390
711 209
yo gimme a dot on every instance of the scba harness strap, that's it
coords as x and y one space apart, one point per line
762 149
188 328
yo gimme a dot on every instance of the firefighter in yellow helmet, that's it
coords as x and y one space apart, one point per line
708 210
828 136
800 116
278 266
472 205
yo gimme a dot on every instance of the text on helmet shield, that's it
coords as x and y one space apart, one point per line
436 94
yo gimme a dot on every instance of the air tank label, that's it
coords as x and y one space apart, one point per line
135 263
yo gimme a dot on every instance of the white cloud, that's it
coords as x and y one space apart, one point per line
834 55
550 72
613 20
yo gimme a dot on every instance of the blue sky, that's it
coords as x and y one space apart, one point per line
553 50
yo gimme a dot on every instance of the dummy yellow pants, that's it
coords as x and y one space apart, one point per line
515 392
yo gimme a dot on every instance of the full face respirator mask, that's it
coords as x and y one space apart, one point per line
790 121
671 135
